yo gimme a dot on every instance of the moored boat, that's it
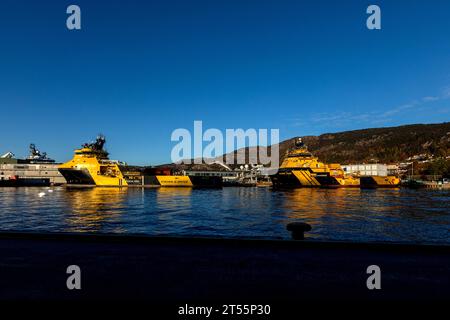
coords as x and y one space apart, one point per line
35 170
301 169
91 166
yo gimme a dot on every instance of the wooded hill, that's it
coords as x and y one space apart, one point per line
383 145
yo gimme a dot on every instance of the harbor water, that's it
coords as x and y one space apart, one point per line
401 215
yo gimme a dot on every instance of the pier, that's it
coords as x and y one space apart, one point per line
170 269
436 185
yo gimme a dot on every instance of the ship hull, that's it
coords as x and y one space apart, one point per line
77 176
307 178
83 177
206 181
379 182
25 182
285 179
328 181
183 181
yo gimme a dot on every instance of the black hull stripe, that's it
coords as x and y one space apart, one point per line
75 176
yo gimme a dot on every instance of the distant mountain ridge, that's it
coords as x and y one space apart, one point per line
383 145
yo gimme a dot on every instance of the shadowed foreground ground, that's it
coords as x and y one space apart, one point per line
33 266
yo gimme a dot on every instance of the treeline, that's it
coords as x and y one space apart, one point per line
438 167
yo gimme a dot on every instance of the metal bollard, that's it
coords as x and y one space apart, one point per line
298 229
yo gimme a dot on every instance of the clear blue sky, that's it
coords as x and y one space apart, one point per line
140 69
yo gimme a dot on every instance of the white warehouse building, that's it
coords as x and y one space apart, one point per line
367 169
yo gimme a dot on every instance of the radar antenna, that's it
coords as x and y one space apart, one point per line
299 143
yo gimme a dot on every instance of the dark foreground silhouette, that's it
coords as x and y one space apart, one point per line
166 270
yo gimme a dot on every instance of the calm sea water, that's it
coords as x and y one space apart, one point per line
343 214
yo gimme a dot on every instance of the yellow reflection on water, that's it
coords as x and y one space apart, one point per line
91 206
171 191
173 197
311 204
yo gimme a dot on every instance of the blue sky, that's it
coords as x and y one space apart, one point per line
137 71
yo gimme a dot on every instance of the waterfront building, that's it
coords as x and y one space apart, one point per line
366 169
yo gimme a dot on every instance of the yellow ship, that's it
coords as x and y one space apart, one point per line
301 169
91 166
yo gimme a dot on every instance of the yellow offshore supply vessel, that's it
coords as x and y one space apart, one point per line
301 169
91 166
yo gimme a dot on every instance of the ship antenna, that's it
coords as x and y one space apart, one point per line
101 140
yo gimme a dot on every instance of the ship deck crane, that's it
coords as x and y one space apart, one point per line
222 164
